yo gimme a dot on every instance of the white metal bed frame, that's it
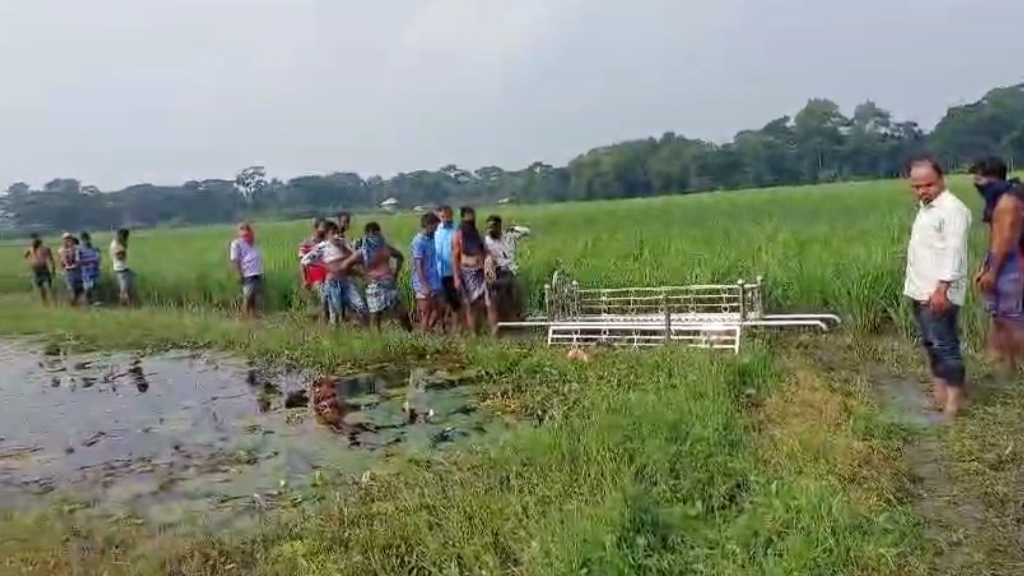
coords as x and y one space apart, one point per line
709 316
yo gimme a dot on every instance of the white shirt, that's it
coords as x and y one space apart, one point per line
937 251
246 257
325 251
503 250
118 265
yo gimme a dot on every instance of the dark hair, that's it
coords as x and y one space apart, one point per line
989 167
330 226
444 208
472 243
371 228
927 160
122 232
85 236
428 219
344 214
35 236
318 220
494 218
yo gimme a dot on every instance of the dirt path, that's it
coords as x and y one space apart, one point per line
950 470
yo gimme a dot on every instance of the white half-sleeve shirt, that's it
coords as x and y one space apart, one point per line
937 251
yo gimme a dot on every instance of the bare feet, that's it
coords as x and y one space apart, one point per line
954 401
940 393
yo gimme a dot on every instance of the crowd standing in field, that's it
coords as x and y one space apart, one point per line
461 277
457 276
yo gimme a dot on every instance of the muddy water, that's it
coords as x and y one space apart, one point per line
167 436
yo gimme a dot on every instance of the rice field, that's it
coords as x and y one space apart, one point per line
783 460
836 247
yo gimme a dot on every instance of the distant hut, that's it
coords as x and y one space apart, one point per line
505 201
421 209
389 205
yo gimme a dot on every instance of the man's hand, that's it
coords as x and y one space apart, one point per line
986 282
938 302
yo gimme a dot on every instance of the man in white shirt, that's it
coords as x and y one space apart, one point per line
936 280
502 269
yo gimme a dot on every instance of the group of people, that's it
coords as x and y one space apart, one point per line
459 276
80 264
937 271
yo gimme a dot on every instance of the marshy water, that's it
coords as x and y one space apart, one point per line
167 436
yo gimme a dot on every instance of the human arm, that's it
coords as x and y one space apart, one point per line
235 255
53 263
457 259
519 232
314 256
398 256
350 261
1006 227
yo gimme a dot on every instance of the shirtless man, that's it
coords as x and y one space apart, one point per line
1000 281
375 255
43 267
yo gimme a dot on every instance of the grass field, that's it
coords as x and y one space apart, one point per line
784 460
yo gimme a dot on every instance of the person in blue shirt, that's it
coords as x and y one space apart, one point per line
443 237
426 276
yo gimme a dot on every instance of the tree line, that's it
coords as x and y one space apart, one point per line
818 144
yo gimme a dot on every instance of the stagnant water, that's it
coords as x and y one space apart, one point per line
167 436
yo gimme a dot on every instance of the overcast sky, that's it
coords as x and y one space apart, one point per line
116 92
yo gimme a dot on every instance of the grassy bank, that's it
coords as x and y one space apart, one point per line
666 462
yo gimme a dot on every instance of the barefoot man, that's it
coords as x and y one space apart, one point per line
375 255
1000 281
426 279
43 267
936 279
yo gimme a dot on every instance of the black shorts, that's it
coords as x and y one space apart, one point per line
41 278
451 295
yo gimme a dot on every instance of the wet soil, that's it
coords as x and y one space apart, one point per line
164 437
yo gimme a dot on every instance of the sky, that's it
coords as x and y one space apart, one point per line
118 92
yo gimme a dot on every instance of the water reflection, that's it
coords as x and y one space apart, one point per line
138 377
202 428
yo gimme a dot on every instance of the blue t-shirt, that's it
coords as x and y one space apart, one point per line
443 248
90 260
424 250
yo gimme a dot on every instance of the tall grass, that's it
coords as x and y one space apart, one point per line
837 247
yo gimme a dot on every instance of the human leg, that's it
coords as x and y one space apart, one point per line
925 328
73 282
250 295
947 358
334 299
1005 304
355 302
